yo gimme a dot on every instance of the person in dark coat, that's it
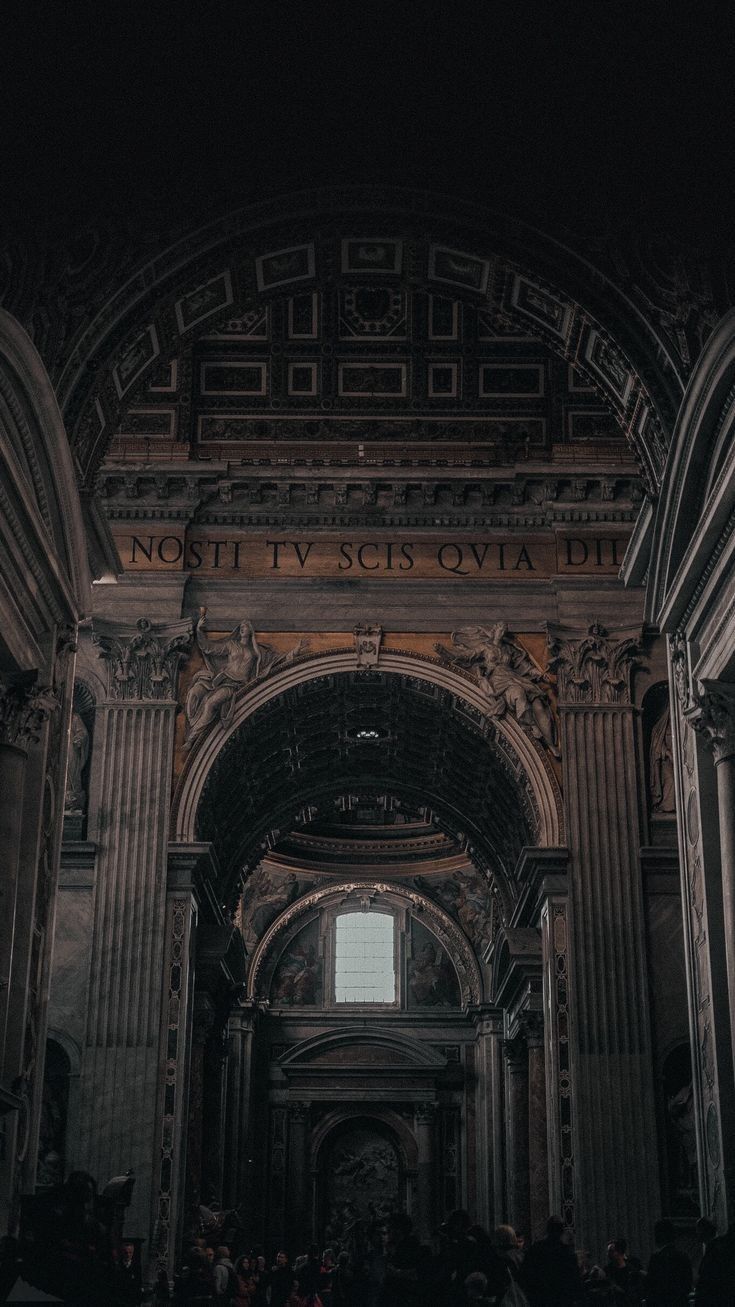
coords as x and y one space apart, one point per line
281 1281
550 1274
406 1259
716 1279
669 1275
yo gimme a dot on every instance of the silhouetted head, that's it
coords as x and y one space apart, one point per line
458 1223
664 1233
400 1225
555 1227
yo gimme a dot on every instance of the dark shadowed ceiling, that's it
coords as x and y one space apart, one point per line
581 116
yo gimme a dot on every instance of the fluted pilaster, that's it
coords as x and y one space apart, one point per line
617 1182
120 1088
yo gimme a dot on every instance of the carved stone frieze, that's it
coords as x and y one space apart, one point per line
142 660
339 498
593 669
711 712
24 709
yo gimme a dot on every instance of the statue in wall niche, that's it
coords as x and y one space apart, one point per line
662 765
75 797
229 665
507 676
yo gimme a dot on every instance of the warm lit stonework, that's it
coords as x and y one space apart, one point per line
367 734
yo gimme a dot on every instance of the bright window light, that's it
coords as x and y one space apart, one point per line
364 970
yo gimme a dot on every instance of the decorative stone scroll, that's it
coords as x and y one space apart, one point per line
25 707
367 644
595 669
509 678
230 664
142 660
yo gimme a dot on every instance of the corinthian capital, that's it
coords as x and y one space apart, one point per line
594 667
24 708
142 660
712 712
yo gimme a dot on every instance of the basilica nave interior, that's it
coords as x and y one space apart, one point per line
368 727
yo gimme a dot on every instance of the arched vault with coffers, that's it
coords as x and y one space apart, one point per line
215 284
299 737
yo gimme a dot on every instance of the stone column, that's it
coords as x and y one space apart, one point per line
713 714
559 1097
490 1207
213 1097
203 1023
24 709
124 1068
538 1160
171 1100
23 712
704 945
617 1164
516 1064
241 1029
297 1189
425 1126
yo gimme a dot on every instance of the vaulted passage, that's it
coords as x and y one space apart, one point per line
362 732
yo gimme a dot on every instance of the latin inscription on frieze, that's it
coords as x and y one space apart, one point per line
488 557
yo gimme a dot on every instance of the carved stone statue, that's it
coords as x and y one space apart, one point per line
75 797
508 677
662 767
230 664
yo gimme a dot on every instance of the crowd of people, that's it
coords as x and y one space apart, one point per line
464 1266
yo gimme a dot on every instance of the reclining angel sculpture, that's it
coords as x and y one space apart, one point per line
229 664
507 676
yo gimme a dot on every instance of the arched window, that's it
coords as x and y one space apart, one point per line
365 958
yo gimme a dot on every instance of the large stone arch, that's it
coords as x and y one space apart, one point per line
352 1112
530 760
537 283
44 578
44 591
694 520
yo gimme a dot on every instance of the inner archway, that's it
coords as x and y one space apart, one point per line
322 729
331 793
361 1178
